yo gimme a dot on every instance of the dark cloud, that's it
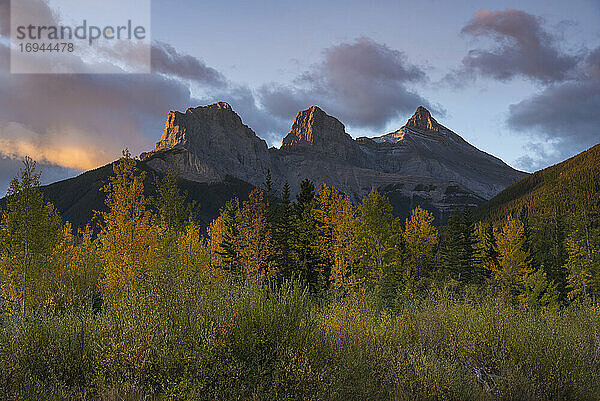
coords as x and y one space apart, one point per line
522 48
82 121
564 116
4 17
49 173
167 60
363 83
560 120
243 101
591 67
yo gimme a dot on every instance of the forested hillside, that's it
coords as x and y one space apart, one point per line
306 298
557 187
560 209
77 199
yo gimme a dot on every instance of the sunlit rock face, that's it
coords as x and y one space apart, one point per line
421 163
314 131
423 147
208 143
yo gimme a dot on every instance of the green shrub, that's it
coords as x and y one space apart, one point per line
203 338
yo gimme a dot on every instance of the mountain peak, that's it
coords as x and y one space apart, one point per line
213 122
318 132
315 127
422 119
214 106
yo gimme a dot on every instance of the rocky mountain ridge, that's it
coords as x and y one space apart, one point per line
423 162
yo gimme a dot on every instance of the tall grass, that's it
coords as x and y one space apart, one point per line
214 339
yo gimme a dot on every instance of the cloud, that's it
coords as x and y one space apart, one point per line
4 17
107 112
564 116
49 173
522 48
540 156
167 60
364 83
561 119
81 121
591 67
16 141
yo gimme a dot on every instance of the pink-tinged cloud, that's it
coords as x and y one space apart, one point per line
364 83
522 48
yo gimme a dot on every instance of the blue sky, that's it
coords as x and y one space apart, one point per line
277 40
518 79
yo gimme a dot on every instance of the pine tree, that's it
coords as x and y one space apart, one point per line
304 240
579 267
528 248
451 242
282 236
485 250
228 247
538 291
28 233
458 249
306 195
270 200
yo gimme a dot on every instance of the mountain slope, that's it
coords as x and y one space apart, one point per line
77 198
421 163
423 147
557 188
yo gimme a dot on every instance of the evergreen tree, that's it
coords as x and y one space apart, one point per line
306 195
538 291
548 250
458 249
528 248
29 232
304 241
268 184
485 250
270 199
579 267
230 220
282 235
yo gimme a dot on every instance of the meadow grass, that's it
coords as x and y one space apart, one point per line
214 339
